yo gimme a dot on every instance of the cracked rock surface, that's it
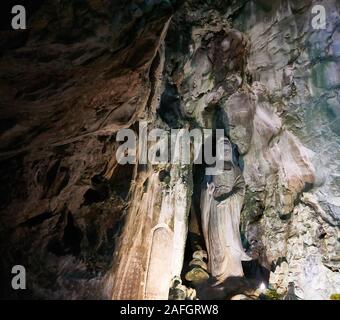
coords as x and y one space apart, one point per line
86 227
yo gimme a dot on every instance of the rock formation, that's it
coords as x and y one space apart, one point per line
85 226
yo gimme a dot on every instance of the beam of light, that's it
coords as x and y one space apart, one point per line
262 287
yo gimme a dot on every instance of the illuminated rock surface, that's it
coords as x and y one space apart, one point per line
85 226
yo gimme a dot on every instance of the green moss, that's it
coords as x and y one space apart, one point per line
197 274
253 208
335 296
271 294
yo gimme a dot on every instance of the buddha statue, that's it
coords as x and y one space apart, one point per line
221 203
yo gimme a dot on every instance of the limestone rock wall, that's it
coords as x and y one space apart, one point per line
81 71
251 68
85 226
292 60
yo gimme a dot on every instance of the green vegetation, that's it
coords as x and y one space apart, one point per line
335 296
271 294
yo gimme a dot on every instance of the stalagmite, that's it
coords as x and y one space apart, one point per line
221 204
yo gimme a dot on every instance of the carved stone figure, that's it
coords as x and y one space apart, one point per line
221 203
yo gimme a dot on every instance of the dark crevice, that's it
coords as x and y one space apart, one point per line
39 219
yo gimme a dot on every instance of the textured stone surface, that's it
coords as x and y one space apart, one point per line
298 66
84 226
275 108
83 71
